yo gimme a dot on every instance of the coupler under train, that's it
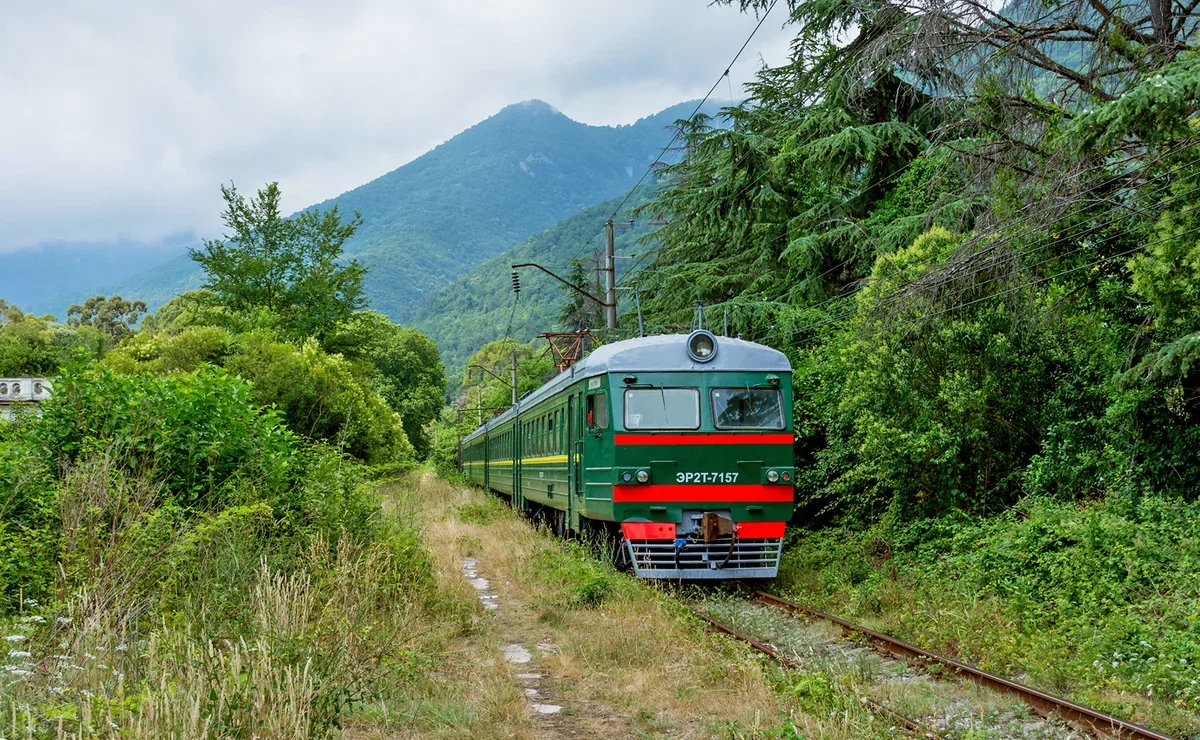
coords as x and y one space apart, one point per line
706 545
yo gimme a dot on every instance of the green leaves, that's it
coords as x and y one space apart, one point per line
291 267
1162 106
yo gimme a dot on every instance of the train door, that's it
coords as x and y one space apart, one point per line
575 456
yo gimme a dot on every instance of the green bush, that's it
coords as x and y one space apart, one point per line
1093 598
321 396
204 457
199 434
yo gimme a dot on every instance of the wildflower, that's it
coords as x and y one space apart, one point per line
1115 664
121 648
31 602
64 620
16 671
14 638
34 618
19 654
57 690
1183 661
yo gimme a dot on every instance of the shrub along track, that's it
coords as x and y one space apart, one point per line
1046 705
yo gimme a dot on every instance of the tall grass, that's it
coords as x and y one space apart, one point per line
173 623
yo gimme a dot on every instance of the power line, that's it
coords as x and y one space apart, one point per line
894 295
675 137
1030 225
1094 263
513 312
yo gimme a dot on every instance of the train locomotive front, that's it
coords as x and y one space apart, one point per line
680 445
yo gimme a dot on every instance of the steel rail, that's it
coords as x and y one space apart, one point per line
1047 705
910 725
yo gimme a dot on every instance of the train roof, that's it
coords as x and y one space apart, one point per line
660 353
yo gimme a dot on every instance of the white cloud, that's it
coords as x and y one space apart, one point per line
123 117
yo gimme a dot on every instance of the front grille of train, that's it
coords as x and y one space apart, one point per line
659 558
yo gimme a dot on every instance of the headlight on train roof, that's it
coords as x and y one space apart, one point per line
643 476
701 345
773 476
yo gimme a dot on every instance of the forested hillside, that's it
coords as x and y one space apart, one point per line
50 277
475 309
482 191
982 263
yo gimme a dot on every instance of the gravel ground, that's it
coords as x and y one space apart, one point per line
955 708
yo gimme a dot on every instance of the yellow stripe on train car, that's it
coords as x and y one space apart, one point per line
544 460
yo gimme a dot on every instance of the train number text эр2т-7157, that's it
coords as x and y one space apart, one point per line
706 477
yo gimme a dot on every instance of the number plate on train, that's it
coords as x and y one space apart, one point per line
706 477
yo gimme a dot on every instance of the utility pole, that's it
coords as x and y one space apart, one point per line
610 273
514 377
610 276
480 404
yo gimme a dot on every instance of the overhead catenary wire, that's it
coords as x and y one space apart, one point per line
998 244
1031 283
1023 285
630 272
1029 226
675 137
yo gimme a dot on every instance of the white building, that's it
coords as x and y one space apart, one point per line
18 393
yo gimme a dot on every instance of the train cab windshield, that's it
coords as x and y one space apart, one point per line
662 408
747 408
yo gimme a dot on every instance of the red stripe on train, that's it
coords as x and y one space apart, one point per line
703 439
760 530
666 530
648 530
756 492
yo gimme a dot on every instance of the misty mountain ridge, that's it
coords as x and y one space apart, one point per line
431 220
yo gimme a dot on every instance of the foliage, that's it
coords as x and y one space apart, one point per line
321 396
488 392
114 316
374 401
445 434
476 308
580 312
410 373
30 345
197 441
1097 600
198 434
938 236
291 267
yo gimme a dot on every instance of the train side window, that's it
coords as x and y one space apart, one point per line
597 410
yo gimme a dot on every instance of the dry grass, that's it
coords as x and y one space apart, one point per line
627 659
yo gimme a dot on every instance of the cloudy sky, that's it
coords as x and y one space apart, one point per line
121 118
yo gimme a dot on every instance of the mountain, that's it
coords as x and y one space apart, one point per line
49 277
474 309
488 188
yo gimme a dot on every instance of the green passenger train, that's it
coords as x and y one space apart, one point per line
679 445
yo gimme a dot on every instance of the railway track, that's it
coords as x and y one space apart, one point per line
1047 705
910 725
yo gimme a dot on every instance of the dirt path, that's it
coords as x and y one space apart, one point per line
561 646
529 653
